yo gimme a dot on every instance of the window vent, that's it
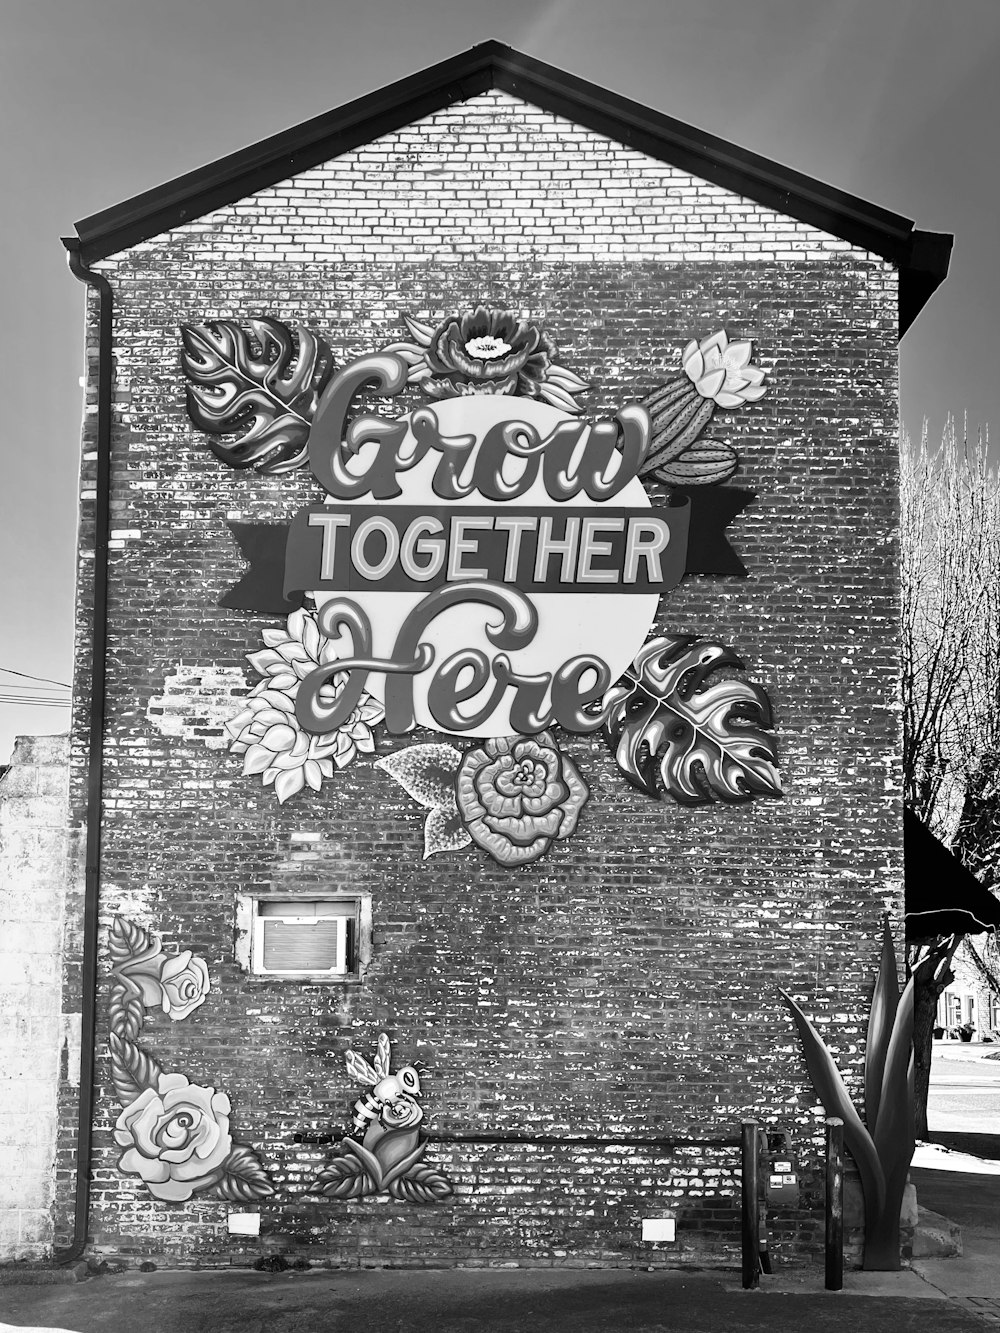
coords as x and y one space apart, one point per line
303 944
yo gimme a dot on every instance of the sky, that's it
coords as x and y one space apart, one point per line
892 100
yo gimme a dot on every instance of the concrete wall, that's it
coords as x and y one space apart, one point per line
624 986
33 871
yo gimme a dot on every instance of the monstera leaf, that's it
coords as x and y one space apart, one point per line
258 384
674 734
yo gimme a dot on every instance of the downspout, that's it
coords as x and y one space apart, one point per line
95 754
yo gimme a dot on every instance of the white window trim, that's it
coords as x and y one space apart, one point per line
246 934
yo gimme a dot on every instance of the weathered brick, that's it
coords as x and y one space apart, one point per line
623 987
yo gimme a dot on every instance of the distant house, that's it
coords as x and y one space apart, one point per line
488 586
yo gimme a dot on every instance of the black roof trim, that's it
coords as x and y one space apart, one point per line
922 257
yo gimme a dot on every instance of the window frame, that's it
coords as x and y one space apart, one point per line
247 934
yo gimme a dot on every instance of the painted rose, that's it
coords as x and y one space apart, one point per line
176 1138
176 983
184 982
517 794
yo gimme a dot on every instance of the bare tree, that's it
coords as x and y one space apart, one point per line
950 676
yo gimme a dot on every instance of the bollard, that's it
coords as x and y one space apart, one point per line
834 1203
751 1213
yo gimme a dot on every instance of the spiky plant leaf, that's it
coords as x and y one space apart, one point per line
830 1089
881 1017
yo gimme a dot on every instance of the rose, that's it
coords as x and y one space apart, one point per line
176 983
489 350
184 982
517 794
176 1137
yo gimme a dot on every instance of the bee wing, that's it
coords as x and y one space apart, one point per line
383 1056
360 1069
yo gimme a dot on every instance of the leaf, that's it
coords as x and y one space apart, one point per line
127 941
830 1089
422 1184
881 1017
244 1177
703 464
893 1129
126 1009
289 782
132 1070
345 1178
674 735
258 382
558 396
445 831
425 772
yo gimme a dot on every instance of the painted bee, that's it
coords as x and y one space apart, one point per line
391 1100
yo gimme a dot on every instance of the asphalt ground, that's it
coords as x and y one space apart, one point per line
463 1301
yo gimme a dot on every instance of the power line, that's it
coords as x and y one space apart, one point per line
23 702
27 676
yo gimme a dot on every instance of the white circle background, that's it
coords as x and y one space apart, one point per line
607 624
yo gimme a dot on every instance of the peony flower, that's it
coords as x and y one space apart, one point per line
184 984
490 347
487 351
175 1137
267 732
517 794
721 370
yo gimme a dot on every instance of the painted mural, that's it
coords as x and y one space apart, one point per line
487 565
385 1151
174 1135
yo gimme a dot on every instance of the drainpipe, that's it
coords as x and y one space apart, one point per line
95 756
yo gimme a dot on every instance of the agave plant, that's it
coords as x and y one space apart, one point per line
883 1151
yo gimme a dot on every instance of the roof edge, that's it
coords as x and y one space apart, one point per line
922 257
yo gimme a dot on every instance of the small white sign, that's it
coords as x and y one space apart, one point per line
244 1224
657 1230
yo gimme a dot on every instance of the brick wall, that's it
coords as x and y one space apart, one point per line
623 987
33 871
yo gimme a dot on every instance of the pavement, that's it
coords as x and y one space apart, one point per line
484 1301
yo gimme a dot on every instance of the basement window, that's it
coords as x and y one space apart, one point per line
319 938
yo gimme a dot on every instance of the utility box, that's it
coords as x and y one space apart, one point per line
781 1173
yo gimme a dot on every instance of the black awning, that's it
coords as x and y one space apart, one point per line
942 896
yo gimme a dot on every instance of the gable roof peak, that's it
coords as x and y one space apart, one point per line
921 257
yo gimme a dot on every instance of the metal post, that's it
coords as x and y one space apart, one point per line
834 1203
751 1215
